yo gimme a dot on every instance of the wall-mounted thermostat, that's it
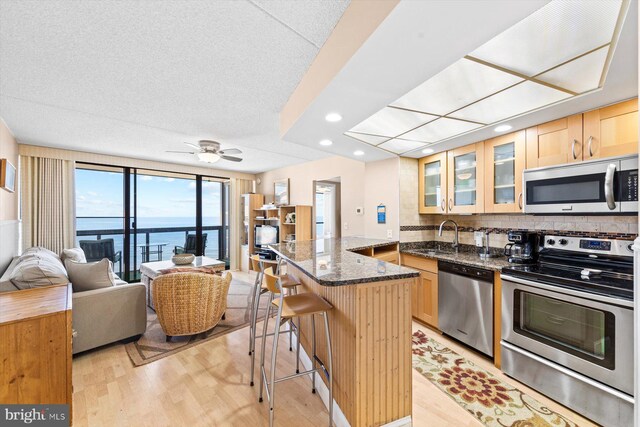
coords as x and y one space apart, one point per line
359 211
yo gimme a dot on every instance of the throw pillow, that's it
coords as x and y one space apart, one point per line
87 276
38 267
73 254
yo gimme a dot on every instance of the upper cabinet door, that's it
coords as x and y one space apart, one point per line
504 164
611 131
465 179
555 143
432 185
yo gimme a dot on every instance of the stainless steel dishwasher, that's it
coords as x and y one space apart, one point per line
465 304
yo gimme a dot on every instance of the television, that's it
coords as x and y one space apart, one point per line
265 235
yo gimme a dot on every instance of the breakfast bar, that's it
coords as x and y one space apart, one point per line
370 324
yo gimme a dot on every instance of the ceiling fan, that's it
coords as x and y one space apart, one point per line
210 152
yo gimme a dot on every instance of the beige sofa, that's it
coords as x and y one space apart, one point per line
100 316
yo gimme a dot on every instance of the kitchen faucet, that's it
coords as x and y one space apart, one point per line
455 236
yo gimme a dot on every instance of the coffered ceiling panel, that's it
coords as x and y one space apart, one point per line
456 86
369 139
392 122
400 146
580 75
440 129
555 33
524 97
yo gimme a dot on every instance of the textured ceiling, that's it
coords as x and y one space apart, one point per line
137 78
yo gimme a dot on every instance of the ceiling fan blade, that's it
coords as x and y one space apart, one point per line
231 158
181 152
197 147
230 151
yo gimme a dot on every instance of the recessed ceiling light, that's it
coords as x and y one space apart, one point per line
326 142
333 117
427 151
358 153
502 128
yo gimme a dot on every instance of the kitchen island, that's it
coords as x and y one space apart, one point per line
370 324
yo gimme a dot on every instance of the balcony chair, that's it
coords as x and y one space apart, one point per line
95 250
190 245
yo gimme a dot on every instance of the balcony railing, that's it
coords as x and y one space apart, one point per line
216 246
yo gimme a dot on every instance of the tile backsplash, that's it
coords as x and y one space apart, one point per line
619 227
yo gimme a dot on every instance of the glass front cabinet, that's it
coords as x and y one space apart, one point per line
465 179
432 184
505 158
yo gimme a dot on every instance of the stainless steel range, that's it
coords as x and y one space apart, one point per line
567 326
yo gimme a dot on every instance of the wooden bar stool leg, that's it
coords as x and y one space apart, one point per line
313 350
330 363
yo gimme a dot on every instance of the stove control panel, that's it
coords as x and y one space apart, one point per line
591 246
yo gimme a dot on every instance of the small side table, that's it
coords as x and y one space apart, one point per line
151 270
145 249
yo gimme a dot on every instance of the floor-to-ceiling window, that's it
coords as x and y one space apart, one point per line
100 213
149 215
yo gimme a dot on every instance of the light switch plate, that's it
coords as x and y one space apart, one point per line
389 234
478 236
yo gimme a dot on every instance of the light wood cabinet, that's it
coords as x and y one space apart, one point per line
555 143
465 179
424 293
611 131
35 332
505 158
432 184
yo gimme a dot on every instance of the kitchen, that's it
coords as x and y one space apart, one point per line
517 172
552 303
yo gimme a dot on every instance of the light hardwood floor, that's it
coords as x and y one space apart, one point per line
208 385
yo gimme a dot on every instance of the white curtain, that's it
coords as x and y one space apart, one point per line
238 188
47 202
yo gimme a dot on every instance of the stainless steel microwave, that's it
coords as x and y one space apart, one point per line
597 186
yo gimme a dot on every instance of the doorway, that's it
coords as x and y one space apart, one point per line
326 207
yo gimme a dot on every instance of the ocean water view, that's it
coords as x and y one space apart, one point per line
112 227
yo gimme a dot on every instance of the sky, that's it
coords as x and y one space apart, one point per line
100 193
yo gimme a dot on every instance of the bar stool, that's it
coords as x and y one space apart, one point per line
290 283
288 307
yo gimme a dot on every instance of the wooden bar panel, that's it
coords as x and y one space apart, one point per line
371 337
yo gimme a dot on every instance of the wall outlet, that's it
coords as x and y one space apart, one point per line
478 237
389 234
346 225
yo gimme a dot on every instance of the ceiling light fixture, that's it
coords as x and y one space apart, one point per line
427 151
358 153
502 128
326 142
208 157
333 117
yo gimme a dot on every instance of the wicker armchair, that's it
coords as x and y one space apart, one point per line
190 303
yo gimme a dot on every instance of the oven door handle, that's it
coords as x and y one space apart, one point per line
608 186
567 291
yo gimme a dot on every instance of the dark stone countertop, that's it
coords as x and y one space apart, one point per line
343 267
466 255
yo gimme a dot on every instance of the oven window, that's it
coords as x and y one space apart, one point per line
579 330
574 189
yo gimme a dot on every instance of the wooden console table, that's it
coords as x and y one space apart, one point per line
35 346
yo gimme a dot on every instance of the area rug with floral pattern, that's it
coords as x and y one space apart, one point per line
493 402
